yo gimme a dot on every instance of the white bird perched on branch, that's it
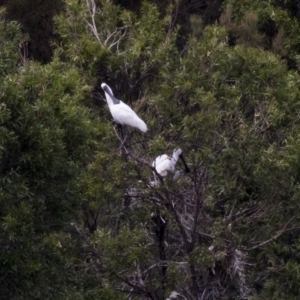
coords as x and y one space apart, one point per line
122 113
165 164
175 296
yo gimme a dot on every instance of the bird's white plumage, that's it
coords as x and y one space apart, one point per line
121 112
165 164
124 115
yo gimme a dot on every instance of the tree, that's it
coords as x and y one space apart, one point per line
272 25
228 107
47 139
227 98
36 18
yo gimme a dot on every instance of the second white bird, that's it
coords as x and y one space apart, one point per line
165 164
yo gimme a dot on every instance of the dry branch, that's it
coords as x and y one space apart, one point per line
112 37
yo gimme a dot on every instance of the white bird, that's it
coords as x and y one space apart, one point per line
165 164
174 295
121 112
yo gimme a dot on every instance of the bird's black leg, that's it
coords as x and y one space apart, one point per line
127 134
118 130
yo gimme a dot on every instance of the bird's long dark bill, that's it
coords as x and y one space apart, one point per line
113 98
106 89
187 169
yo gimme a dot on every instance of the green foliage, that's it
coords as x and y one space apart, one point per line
83 219
274 25
47 138
228 107
35 18
10 43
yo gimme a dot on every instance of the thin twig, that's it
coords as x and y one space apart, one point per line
280 232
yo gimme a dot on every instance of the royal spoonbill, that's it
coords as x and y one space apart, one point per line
165 164
122 113
174 295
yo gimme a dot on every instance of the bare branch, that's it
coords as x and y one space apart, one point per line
92 11
112 38
23 51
